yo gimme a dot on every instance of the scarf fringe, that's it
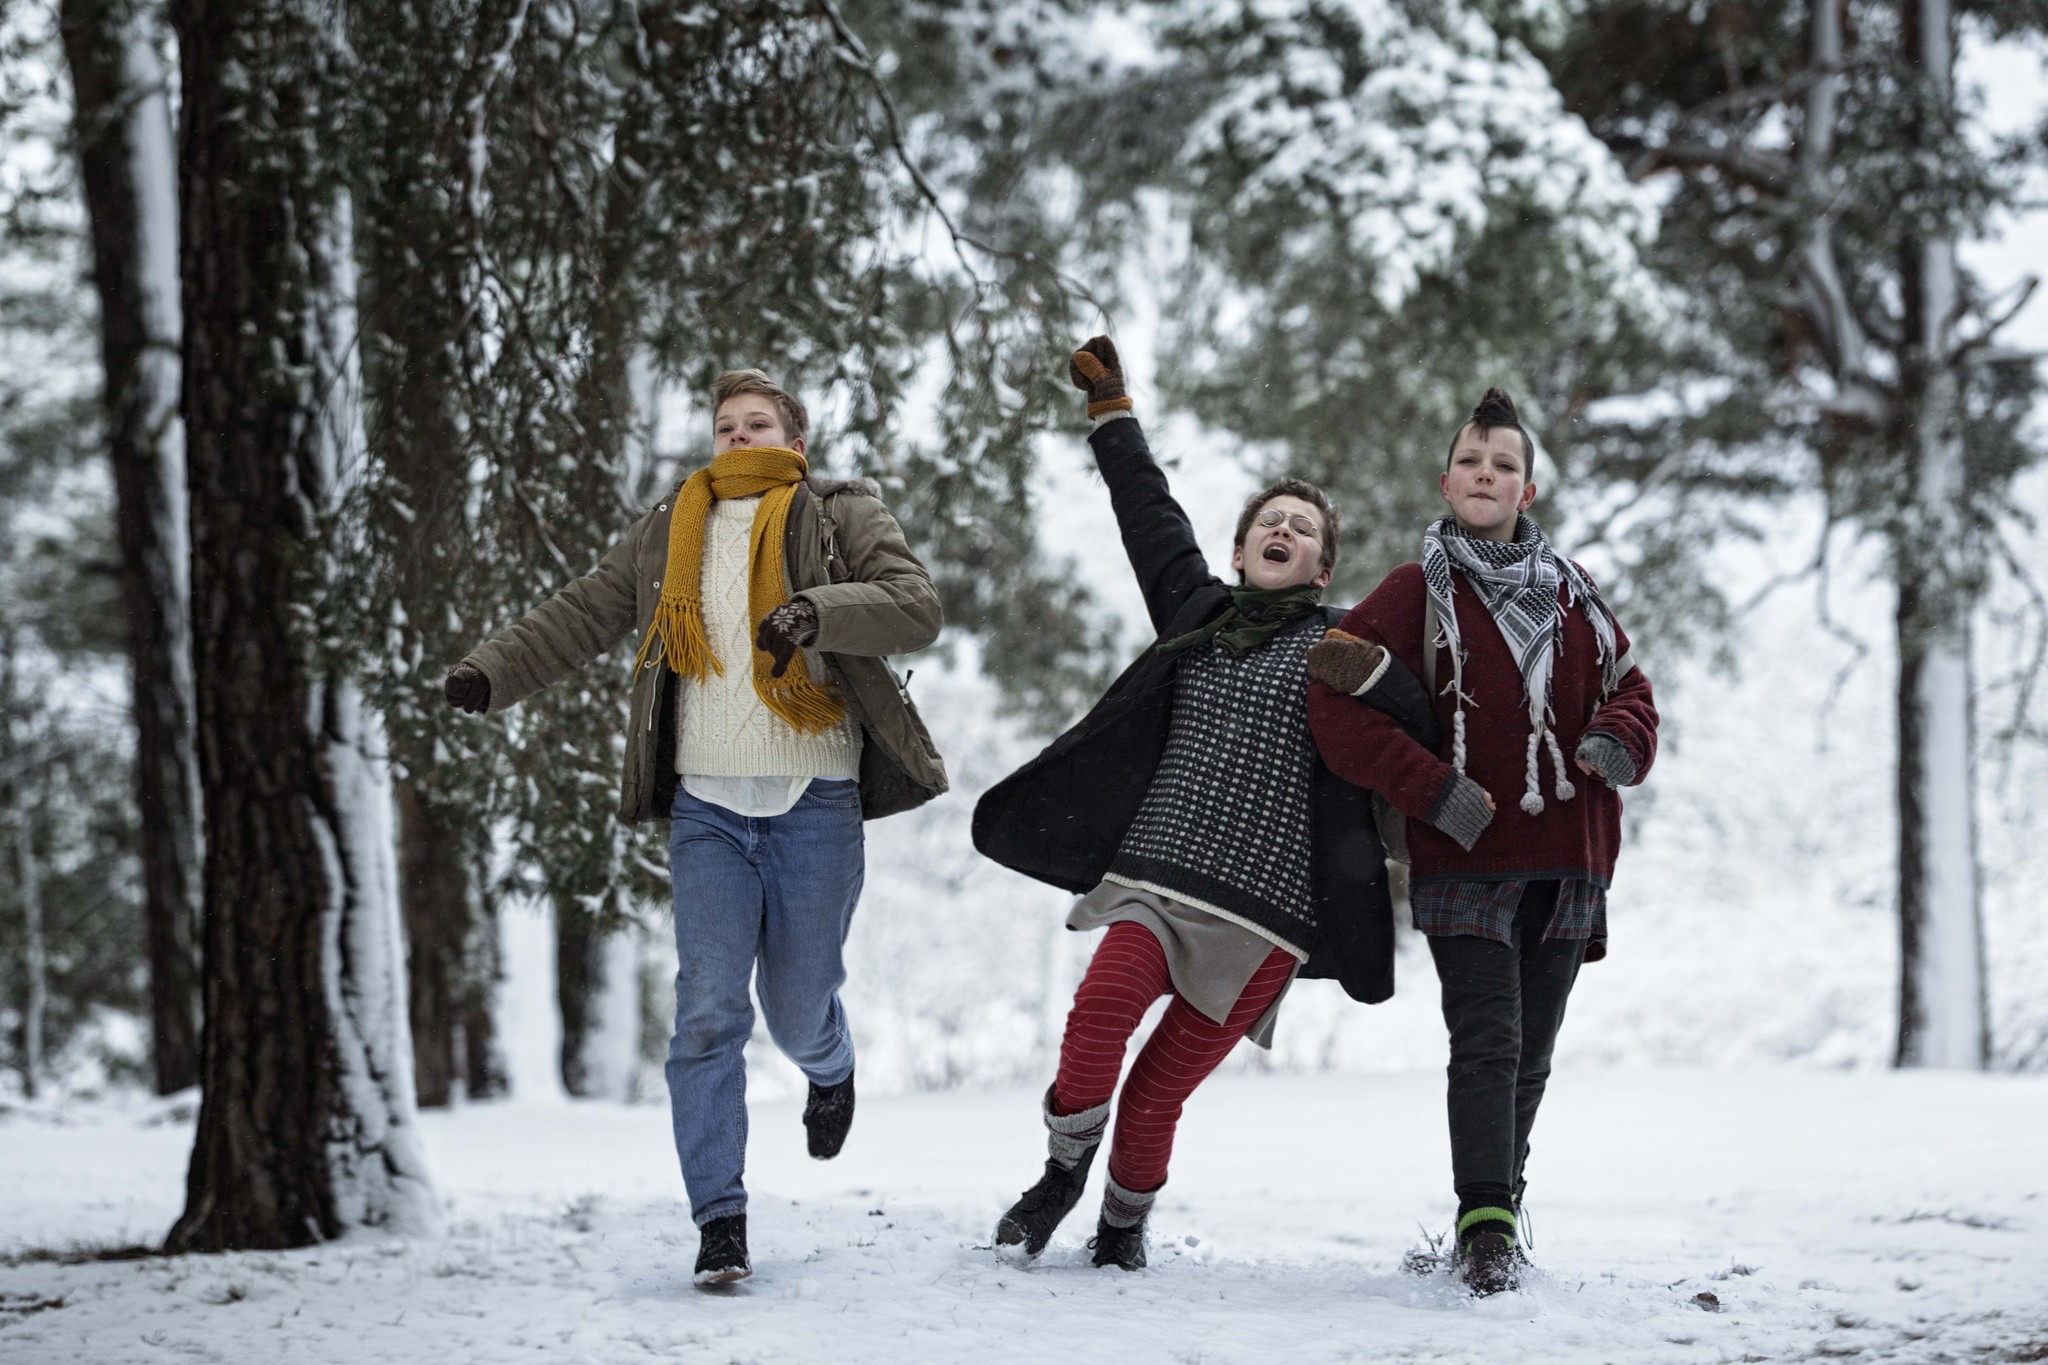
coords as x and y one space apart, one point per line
1563 786
679 629
801 703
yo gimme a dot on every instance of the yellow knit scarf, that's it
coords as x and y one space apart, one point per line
773 472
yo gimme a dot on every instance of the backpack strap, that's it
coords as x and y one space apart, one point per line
1429 625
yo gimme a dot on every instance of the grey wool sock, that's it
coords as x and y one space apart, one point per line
1069 1137
1608 758
1461 811
1122 1208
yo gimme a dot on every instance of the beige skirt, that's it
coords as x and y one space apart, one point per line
1209 958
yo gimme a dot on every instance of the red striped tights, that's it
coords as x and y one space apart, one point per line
1127 973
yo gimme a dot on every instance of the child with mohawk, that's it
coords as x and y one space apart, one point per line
1526 662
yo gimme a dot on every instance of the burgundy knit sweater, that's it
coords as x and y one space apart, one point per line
1361 744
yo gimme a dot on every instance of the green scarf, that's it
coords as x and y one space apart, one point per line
1255 615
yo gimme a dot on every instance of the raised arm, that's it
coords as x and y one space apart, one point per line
1157 535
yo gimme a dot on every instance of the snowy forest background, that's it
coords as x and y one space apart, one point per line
334 337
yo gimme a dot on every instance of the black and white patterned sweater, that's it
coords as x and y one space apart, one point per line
1224 825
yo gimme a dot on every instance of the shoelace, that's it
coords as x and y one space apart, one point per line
1041 1194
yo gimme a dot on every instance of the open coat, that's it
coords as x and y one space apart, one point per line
1062 816
842 551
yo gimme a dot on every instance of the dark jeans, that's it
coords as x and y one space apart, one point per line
1503 1003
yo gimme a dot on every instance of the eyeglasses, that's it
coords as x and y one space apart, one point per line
1301 525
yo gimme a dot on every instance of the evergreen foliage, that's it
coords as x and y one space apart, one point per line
67 834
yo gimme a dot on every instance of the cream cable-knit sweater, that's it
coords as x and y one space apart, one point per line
723 727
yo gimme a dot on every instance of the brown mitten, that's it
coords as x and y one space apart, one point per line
1097 372
1344 662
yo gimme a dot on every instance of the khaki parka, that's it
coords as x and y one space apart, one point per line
842 552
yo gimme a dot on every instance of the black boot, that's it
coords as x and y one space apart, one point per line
1070 1143
722 1251
1038 1211
1121 1247
828 1114
1487 1259
1120 1232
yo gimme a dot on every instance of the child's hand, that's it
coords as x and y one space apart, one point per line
1096 371
1463 811
1601 755
789 627
467 688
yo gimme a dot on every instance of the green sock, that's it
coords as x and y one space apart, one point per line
1486 1219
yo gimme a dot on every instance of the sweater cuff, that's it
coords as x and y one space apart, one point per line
1098 422
1372 680
1461 811
1607 756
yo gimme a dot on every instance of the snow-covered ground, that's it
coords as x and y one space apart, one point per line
1851 1215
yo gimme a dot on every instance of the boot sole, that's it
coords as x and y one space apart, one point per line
1013 1240
711 1279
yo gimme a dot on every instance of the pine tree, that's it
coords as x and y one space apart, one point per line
70 906
307 1125
122 128
1825 176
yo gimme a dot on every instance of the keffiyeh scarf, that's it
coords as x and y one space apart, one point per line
1517 583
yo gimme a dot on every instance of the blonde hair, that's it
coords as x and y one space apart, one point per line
796 423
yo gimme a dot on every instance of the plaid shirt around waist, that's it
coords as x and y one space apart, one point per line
1487 909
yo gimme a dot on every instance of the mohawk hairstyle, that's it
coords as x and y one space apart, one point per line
1494 410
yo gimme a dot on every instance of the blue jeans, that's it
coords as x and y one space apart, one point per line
769 896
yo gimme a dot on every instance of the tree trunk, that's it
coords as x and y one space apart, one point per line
1942 1012
429 74
579 990
430 881
307 1127
35 960
452 957
127 162
484 1070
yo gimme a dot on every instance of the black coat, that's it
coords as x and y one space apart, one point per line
1062 816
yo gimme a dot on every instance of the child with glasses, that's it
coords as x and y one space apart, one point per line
1192 810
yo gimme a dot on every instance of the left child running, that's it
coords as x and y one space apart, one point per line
1192 802
765 726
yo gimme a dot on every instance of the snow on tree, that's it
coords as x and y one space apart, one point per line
1372 212
307 1126
127 165
1825 173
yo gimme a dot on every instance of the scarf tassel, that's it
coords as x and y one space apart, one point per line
800 702
1564 788
1532 795
1542 736
679 629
